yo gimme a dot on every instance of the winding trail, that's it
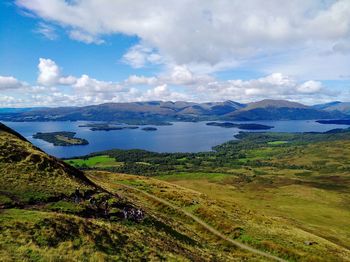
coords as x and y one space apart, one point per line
203 224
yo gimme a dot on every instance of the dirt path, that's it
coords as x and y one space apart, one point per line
204 224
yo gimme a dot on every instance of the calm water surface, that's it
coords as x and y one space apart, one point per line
180 137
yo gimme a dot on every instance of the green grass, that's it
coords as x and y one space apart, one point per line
271 195
95 161
66 207
4 200
310 208
270 219
47 236
30 175
276 143
214 177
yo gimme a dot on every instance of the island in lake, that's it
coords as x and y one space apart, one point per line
335 121
61 138
106 127
249 126
149 129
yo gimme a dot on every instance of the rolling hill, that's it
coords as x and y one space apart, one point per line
280 110
160 112
343 107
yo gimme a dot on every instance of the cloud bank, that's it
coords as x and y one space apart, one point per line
179 83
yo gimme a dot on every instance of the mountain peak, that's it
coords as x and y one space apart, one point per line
266 103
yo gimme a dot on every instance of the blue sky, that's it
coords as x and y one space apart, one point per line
58 53
22 46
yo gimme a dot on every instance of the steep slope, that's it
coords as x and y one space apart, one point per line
30 175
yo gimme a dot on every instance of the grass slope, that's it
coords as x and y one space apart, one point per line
301 182
266 231
30 175
41 221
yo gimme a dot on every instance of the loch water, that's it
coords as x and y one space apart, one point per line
179 137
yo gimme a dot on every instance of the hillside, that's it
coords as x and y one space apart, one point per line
284 193
29 175
44 218
280 110
154 112
326 105
268 103
343 107
254 199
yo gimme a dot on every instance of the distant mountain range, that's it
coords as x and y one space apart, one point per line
158 111
343 107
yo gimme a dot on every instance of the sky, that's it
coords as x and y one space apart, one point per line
83 52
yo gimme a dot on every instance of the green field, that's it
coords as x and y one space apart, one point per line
275 143
96 161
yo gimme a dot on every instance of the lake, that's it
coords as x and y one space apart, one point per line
179 137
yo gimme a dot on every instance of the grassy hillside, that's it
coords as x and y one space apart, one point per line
265 197
42 218
212 199
30 175
291 190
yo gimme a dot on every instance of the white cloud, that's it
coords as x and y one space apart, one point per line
310 63
163 93
50 74
85 37
139 56
9 82
67 80
141 80
202 31
310 87
181 75
90 85
274 86
10 101
178 83
175 75
48 31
